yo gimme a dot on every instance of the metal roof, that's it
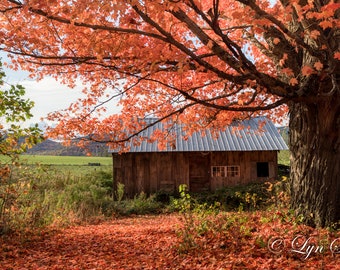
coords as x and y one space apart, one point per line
248 137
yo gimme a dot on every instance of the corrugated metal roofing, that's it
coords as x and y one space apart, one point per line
248 138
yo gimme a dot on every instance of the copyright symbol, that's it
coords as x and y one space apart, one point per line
276 245
335 246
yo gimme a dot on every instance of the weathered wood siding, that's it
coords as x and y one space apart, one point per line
248 167
151 172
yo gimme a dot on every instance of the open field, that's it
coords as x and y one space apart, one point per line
283 157
65 160
66 164
61 160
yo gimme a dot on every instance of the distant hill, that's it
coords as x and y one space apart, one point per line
49 147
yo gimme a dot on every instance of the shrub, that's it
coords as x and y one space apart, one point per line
279 192
203 220
248 197
195 218
120 192
140 205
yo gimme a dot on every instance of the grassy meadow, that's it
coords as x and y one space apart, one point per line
47 190
71 164
65 160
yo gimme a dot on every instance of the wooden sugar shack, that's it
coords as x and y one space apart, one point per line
237 156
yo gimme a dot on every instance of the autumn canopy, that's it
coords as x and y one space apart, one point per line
203 63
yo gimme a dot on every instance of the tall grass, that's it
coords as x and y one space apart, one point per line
45 196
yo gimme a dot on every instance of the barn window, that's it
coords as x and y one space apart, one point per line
225 171
218 171
233 171
262 169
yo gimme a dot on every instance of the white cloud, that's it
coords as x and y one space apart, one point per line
48 94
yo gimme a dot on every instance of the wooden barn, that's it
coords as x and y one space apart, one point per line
236 156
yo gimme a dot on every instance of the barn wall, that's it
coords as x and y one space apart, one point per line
248 167
151 172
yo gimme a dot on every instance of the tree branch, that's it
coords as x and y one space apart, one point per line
263 14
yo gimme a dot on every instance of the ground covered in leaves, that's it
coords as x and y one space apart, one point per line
257 240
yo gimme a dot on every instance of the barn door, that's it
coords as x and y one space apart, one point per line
199 172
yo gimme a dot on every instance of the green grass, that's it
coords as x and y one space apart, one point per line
77 170
60 160
283 157
65 160
78 165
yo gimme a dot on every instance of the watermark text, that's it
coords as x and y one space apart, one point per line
303 245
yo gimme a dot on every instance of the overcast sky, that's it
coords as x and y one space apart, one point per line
48 94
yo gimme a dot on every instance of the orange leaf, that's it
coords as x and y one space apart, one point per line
210 44
276 41
326 24
318 66
337 55
293 81
307 70
240 102
314 34
288 71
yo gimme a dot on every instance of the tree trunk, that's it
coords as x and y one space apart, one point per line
315 161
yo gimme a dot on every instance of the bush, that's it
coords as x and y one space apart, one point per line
195 218
202 217
140 205
247 197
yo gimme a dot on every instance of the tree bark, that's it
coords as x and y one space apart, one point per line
315 161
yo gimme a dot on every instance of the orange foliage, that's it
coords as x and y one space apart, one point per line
182 60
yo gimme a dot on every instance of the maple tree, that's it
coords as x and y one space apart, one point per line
204 63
